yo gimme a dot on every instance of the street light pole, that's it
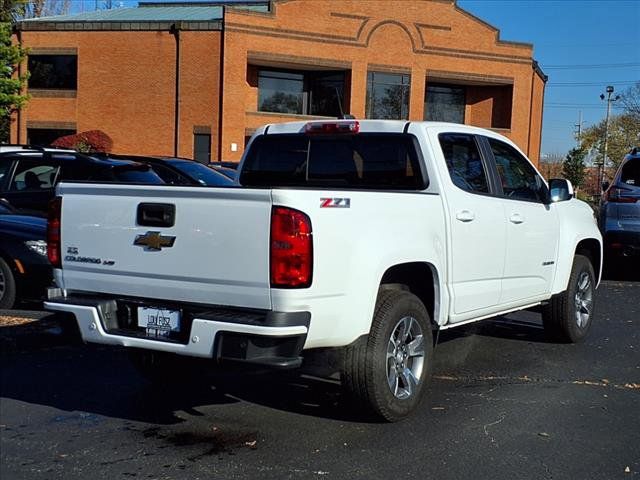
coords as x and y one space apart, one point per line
602 164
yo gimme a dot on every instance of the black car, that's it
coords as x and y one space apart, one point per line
230 169
182 171
25 271
28 175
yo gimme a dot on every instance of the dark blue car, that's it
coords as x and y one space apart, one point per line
25 271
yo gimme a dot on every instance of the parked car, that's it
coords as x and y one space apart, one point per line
347 239
230 169
620 209
28 175
25 271
181 171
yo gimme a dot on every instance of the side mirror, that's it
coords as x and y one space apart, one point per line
605 186
560 190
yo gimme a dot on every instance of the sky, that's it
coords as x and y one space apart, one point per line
582 46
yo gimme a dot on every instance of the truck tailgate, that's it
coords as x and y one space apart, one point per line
216 252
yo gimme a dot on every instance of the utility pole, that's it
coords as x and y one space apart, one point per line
602 164
578 126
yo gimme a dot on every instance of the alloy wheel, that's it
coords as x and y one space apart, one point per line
405 358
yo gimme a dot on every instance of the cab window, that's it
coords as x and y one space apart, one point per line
463 160
519 179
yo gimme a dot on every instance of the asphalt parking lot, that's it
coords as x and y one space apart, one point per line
503 404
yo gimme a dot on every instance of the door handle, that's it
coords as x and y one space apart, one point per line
156 214
516 218
465 216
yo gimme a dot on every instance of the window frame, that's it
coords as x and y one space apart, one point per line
420 161
309 79
406 93
496 174
489 169
64 88
463 90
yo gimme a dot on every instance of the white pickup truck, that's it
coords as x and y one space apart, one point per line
366 237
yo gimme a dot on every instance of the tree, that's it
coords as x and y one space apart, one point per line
551 165
630 100
44 8
573 167
86 142
11 84
624 133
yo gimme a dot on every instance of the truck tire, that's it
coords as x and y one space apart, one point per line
386 374
568 316
7 286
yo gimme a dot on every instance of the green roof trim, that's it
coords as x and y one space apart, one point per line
155 12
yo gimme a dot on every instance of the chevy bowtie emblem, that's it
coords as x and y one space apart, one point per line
154 241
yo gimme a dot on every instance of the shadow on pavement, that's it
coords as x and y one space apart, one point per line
102 381
622 269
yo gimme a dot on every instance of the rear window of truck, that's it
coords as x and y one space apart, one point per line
362 161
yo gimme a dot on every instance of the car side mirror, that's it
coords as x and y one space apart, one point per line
605 186
560 190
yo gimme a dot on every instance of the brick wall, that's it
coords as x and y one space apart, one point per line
126 79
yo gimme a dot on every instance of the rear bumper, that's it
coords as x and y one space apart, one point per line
274 339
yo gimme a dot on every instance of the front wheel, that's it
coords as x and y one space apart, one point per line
386 375
568 316
7 286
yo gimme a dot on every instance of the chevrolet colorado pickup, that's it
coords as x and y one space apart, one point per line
363 237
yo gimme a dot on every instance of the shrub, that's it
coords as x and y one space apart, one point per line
89 141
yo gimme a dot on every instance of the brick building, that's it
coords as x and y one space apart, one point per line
195 79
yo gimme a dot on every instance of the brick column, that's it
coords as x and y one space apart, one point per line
416 102
358 89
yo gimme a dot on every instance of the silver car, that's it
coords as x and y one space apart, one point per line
620 209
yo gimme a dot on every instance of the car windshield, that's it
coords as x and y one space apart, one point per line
631 172
201 173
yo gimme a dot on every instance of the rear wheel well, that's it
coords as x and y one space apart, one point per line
419 278
590 248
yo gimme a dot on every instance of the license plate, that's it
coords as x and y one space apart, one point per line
159 322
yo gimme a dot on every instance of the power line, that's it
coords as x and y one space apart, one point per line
591 84
590 66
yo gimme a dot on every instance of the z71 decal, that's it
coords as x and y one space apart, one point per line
335 203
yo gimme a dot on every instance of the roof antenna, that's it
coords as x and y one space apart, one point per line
342 115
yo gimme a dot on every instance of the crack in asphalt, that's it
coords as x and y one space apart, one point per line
523 380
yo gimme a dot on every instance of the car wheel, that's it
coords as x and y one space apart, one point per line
7 286
568 316
387 373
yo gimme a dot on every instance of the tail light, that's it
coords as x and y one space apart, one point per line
291 249
53 232
616 195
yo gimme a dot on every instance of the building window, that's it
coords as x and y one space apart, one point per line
58 72
444 103
388 95
301 93
46 136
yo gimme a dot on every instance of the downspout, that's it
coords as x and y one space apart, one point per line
533 73
221 84
175 31
19 114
